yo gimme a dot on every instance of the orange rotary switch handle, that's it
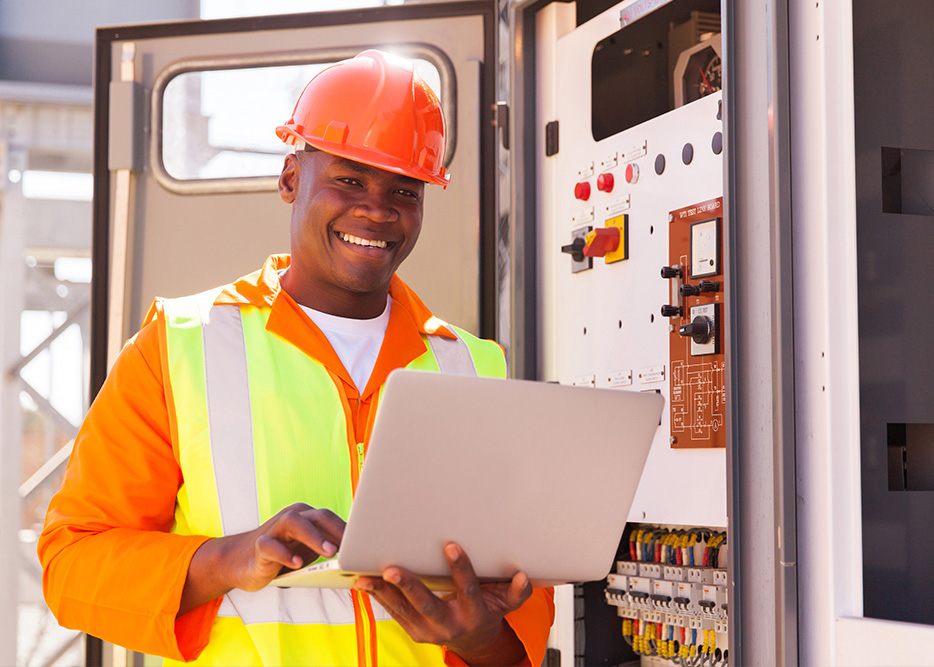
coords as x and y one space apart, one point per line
601 241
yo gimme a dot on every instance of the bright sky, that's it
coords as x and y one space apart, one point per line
217 9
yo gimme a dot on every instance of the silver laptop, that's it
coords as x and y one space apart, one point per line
523 475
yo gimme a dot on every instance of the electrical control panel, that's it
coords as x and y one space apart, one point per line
634 293
633 289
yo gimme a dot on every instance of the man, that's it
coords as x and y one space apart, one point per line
228 439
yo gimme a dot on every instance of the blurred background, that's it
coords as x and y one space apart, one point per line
46 155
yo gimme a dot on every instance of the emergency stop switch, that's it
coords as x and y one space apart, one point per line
582 190
601 241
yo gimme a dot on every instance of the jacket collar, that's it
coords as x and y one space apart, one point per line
261 288
403 343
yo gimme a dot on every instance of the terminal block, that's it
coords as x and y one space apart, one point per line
650 570
627 567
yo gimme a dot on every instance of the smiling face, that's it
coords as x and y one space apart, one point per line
352 226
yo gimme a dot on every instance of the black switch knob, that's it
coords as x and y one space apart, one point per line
672 272
700 329
690 290
709 285
671 311
576 249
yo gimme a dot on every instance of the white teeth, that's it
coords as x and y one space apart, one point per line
364 242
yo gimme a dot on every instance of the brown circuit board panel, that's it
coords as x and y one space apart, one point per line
695 311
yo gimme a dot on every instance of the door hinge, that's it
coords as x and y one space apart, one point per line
501 120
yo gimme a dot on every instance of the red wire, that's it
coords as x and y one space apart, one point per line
704 76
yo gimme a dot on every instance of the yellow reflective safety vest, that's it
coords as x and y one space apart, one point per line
262 425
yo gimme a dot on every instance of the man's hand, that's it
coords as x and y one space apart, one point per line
296 535
470 622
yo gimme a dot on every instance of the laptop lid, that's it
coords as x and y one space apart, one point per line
523 475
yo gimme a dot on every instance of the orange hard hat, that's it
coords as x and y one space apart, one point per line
373 108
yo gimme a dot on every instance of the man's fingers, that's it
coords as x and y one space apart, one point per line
297 526
331 525
395 603
272 550
520 590
416 594
465 579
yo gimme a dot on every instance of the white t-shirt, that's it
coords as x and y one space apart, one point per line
356 342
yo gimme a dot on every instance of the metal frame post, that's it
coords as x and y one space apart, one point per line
12 298
761 440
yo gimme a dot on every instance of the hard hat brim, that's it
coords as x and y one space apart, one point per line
370 157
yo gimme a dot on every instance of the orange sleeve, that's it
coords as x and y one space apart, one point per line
110 566
531 622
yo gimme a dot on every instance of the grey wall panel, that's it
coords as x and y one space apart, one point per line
894 95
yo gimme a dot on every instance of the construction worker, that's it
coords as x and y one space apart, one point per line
227 441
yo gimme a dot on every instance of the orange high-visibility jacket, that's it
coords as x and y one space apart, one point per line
111 566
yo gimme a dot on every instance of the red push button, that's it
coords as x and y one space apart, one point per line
605 182
632 173
601 241
582 191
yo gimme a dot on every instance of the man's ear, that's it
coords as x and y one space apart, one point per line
288 179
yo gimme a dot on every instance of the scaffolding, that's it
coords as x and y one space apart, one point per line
44 344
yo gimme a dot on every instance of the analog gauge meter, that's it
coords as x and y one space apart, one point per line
702 76
698 72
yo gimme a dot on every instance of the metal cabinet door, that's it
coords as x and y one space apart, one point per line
157 235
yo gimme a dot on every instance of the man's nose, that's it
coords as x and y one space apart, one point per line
377 207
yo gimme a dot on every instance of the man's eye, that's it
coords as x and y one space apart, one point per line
408 193
348 180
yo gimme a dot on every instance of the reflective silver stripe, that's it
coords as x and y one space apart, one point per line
294 605
452 355
230 421
227 386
